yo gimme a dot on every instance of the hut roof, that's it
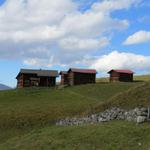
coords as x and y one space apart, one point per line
40 72
92 71
121 71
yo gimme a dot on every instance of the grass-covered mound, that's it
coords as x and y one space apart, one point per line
142 78
118 135
27 117
27 107
138 96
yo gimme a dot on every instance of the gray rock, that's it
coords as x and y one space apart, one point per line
100 119
138 115
141 119
144 109
129 118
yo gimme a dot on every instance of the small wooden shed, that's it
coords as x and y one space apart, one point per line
41 78
121 75
81 76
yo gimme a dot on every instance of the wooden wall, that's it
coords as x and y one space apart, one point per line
126 77
47 81
20 81
64 79
114 76
70 78
27 80
123 77
81 78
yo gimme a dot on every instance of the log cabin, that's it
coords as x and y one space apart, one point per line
38 78
121 75
81 76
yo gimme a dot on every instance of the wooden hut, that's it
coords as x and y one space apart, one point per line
81 76
41 78
64 77
121 75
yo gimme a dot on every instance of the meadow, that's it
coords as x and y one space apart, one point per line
27 117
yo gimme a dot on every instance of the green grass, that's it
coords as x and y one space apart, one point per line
102 80
27 117
142 78
116 135
27 107
138 96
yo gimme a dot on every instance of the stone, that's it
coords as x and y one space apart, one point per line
138 115
144 109
141 119
100 119
129 118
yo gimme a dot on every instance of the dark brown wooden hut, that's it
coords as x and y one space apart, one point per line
121 75
64 77
41 78
81 76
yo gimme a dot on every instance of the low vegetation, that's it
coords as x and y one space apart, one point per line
27 117
142 78
102 80
29 107
108 136
138 96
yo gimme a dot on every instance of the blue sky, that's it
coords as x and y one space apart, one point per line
100 34
2 1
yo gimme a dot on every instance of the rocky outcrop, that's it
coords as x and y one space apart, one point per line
138 115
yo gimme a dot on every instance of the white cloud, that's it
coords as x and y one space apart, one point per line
110 5
56 27
138 37
42 20
36 34
91 24
39 62
72 43
121 60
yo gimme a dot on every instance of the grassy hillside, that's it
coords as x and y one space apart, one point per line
27 107
137 96
27 117
102 80
115 135
142 78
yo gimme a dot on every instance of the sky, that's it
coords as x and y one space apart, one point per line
97 34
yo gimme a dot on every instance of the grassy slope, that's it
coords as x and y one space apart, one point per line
41 106
138 96
21 110
102 80
27 109
142 78
117 135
